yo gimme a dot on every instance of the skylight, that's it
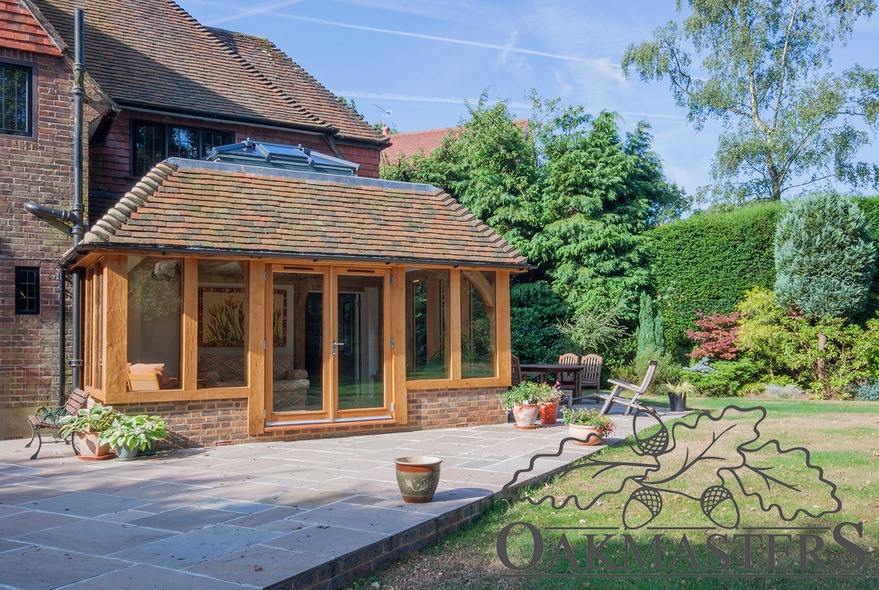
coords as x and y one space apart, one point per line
281 156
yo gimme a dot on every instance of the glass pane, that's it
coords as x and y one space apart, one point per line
183 143
149 147
155 302
359 346
222 323
14 100
478 330
214 139
427 317
297 342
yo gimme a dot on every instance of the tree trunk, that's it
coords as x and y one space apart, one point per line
819 366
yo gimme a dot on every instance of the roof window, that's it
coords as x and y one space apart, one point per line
275 155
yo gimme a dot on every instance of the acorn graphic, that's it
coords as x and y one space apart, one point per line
643 505
720 507
655 444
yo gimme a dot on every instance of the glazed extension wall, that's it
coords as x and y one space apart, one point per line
38 168
219 422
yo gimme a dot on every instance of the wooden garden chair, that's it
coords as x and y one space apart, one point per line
46 419
516 366
614 396
590 378
568 380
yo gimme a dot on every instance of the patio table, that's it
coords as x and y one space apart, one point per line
544 369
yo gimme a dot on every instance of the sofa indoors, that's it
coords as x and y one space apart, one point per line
289 385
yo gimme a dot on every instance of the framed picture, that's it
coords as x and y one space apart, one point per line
222 315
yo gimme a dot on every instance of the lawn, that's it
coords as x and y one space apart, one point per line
789 546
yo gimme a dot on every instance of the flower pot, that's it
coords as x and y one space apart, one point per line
586 436
124 453
677 402
526 415
150 450
417 478
549 412
90 448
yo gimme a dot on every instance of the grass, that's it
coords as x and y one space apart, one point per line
841 438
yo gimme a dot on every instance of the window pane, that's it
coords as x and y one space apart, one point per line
183 143
297 342
360 338
222 323
15 93
214 139
27 290
427 328
478 328
155 302
149 147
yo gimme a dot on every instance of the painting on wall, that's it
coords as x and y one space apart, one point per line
222 313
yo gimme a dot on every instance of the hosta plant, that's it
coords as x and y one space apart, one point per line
134 432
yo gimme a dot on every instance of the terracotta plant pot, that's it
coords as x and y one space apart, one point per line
586 436
90 449
549 413
417 478
526 415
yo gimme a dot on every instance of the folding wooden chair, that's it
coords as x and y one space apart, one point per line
46 419
590 378
638 390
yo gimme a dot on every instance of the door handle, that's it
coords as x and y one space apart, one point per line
336 346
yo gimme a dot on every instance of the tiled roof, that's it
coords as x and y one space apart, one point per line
152 54
298 84
415 142
424 142
198 206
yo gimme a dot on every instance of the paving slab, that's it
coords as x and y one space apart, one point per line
300 514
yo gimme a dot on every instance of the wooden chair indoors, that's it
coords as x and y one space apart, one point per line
568 380
590 378
46 419
637 390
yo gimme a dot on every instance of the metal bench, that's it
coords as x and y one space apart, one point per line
46 419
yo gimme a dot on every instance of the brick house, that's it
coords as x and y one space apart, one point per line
241 299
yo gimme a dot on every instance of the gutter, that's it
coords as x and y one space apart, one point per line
74 254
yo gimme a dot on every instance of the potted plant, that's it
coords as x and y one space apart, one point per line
132 435
522 400
86 427
588 427
677 395
417 478
548 402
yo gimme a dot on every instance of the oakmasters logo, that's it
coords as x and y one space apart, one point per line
694 502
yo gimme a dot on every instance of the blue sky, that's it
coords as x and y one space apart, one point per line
421 59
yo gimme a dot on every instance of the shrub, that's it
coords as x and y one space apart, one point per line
599 330
730 378
535 312
650 326
868 392
717 337
761 332
667 370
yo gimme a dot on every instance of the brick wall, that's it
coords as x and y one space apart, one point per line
110 165
38 169
225 421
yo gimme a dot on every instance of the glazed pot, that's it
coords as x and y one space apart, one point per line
526 415
124 453
549 413
677 402
586 436
417 478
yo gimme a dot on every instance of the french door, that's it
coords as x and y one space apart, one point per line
330 346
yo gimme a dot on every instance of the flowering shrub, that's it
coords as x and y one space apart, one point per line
717 336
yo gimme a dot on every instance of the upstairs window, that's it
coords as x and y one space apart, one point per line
27 290
15 99
153 142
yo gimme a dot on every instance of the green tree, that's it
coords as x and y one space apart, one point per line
824 257
764 71
651 327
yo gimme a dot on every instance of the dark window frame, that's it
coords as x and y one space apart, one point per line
28 102
166 132
27 290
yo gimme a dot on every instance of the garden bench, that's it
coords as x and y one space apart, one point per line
46 419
